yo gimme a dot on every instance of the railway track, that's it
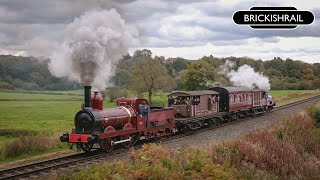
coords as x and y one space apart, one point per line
35 170
296 103
40 168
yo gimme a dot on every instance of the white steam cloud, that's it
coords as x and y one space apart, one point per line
93 45
245 76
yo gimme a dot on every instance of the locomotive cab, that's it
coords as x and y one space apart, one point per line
132 102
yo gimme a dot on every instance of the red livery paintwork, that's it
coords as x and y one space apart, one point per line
97 101
116 117
77 138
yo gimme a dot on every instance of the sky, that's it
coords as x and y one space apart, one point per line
170 28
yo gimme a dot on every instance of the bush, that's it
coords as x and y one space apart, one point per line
291 149
314 113
114 93
29 144
157 162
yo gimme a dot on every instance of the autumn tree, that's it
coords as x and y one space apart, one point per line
149 75
199 75
176 65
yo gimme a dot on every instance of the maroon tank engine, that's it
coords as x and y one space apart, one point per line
118 125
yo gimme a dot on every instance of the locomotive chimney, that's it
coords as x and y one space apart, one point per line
87 96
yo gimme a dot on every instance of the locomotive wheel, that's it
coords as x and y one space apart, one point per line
213 123
236 117
86 147
106 145
186 129
128 143
168 131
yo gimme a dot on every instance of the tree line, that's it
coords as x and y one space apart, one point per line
143 73
29 73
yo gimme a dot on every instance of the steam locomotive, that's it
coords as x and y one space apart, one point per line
133 119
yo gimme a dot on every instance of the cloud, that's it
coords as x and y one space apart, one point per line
253 47
35 27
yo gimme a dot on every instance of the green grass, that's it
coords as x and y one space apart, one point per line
13 95
277 93
74 92
282 97
37 115
47 116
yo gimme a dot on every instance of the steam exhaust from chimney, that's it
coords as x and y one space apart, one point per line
93 45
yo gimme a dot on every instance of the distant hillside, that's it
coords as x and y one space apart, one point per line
29 73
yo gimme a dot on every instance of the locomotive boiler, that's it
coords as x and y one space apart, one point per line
93 118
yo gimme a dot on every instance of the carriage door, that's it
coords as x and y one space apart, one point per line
256 98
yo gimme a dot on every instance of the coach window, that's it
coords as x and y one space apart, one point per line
231 98
237 99
195 100
213 99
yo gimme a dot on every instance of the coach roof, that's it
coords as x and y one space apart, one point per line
231 89
192 93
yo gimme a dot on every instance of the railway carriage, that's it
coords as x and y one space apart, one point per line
195 109
234 98
243 101
194 103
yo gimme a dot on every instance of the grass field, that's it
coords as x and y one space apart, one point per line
74 92
8 95
40 116
56 117
282 97
276 93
